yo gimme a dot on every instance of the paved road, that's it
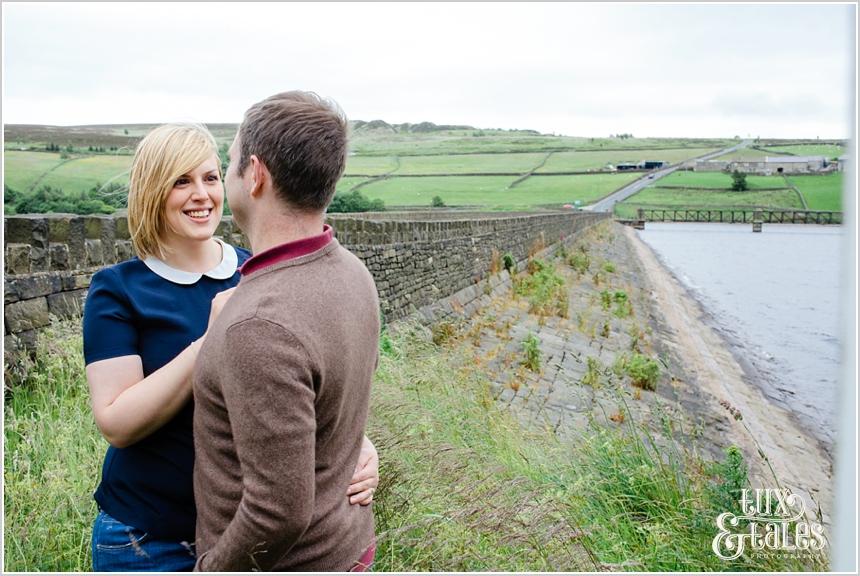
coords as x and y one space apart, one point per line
609 202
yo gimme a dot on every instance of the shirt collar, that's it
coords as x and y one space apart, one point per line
287 251
224 270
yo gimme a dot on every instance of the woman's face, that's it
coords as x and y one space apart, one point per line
193 207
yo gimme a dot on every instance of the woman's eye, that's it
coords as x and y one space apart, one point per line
214 178
181 182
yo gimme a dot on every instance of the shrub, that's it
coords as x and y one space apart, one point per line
609 267
355 201
443 331
730 478
605 299
739 181
592 373
623 308
48 199
437 202
544 288
509 262
580 262
644 371
531 349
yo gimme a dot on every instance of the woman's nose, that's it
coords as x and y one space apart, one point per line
199 191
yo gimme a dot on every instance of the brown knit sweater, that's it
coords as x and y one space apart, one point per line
281 392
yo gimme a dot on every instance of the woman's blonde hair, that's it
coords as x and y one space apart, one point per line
165 154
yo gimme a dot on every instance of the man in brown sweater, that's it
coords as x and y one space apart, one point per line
282 383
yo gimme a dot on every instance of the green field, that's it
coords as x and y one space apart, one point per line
821 192
829 151
376 148
718 180
491 191
743 155
84 173
579 161
347 182
470 163
388 143
372 165
680 199
24 169
21 169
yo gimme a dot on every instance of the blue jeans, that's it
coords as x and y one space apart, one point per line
118 547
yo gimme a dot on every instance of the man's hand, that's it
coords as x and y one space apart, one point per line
365 479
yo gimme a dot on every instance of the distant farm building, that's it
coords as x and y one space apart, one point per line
641 165
652 164
770 165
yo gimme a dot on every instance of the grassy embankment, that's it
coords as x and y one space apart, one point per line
464 486
704 190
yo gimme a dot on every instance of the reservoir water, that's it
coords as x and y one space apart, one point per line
776 298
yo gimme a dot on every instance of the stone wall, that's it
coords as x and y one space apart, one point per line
416 258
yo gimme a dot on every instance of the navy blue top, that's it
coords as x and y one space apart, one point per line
152 311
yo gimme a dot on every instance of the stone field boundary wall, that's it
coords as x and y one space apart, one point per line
417 258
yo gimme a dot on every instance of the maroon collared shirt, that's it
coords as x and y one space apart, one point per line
287 251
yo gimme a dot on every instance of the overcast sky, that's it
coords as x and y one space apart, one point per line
586 70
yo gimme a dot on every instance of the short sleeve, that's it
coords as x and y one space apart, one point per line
108 328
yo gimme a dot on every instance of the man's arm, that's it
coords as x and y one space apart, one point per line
269 397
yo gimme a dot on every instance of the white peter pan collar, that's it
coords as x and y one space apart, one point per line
223 271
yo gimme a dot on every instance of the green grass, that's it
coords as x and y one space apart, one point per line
586 188
829 151
83 174
821 192
470 163
492 192
743 155
717 199
464 486
52 461
23 168
372 165
717 180
579 161
386 143
347 182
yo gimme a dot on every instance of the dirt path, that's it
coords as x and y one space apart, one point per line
766 433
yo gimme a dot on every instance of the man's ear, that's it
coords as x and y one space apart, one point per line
259 176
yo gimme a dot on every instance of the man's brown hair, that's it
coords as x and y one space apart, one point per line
302 140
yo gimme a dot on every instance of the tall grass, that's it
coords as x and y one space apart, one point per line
52 463
465 485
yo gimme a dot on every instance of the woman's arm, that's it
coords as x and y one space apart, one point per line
128 407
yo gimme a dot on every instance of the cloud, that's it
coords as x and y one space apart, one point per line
660 69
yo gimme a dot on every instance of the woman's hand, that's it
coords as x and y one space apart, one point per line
218 303
365 479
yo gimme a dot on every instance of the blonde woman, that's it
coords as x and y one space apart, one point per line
144 322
